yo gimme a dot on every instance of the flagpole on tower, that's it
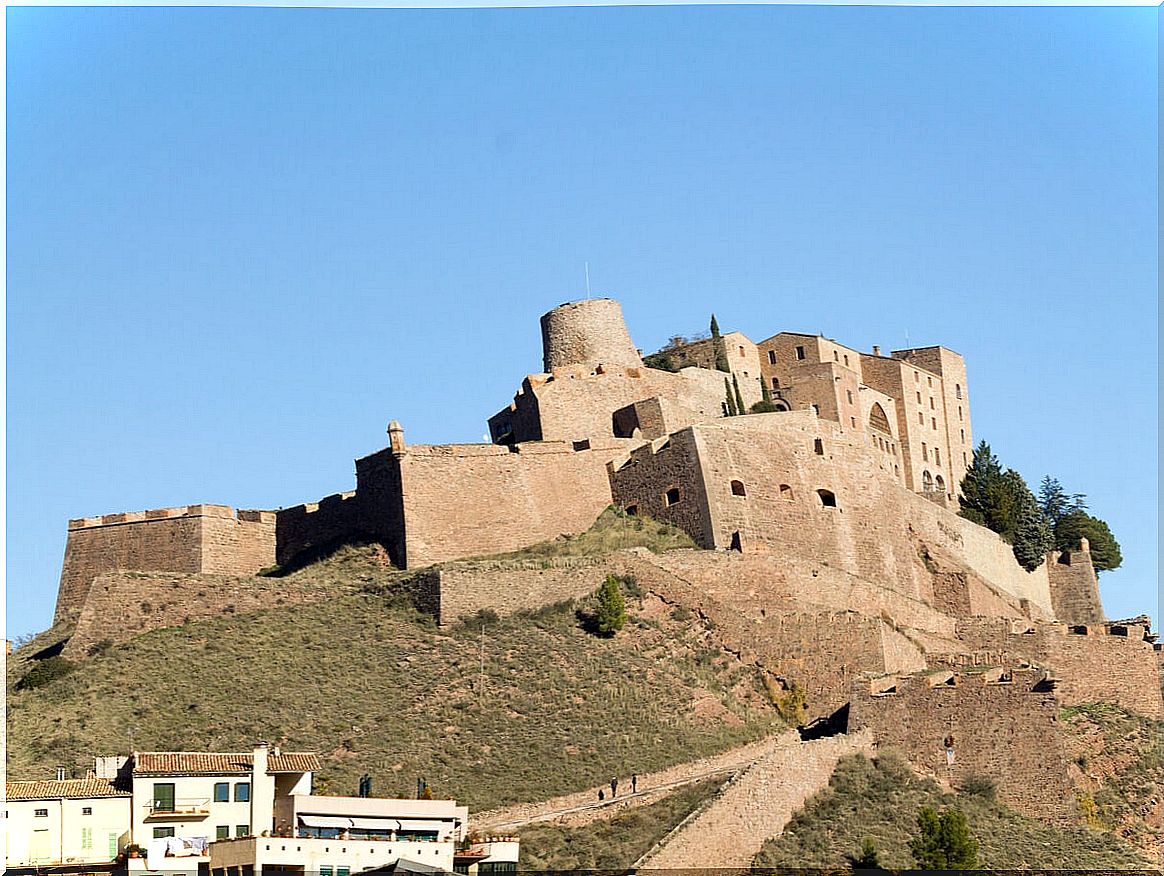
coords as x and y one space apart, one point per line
587 281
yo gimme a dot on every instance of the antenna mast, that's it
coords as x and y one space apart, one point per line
587 281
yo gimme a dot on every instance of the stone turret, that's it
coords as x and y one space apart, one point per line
590 333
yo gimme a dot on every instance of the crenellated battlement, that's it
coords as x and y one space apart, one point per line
201 510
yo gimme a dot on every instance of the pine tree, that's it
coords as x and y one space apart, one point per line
611 607
1031 537
739 398
869 859
944 842
981 477
717 347
731 401
1105 550
1055 503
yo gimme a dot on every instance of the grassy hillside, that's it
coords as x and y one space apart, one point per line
615 843
1120 761
537 708
880 799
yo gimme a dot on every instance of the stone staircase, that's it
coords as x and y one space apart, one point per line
754 806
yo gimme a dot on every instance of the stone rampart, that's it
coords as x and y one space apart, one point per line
463 589
1097 663
190 539
316 525
122 605
1019 746
1074 587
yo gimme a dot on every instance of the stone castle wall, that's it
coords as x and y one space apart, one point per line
122 605
192 539
1018 746
1074 588
316 525
757 480
1098 663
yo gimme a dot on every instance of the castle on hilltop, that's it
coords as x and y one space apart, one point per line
589 431
831 558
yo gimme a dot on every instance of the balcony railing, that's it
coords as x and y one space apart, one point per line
190 807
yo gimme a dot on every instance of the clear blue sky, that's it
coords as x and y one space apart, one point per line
240 241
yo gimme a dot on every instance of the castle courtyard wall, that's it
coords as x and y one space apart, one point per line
316 525
1074 587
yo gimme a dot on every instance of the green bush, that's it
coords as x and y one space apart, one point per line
980 786
944 842
46 672
611 616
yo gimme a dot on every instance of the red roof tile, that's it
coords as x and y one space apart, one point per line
69 788
166 763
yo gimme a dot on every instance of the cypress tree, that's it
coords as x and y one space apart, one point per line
765 393
731 402
739 398
717 347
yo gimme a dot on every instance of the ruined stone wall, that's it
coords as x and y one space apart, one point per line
192 539
316 525
1018 746
588 333
1098 663
122 605
464 500
508 587
1074 587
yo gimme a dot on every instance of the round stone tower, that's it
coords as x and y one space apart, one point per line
590 333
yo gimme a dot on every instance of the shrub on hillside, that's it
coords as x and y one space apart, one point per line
45 672
944 842
611 615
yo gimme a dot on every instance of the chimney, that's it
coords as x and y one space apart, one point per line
60 774
876 350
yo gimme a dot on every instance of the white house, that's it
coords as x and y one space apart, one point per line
70 821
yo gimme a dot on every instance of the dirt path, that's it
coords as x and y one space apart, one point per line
583 807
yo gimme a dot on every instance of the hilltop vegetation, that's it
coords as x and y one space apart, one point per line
536 707
880 800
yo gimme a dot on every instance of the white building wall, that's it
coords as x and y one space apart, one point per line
66 835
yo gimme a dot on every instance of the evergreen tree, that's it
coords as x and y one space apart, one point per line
739 398
869 859
731 401
981 477
1105 550
1031 536
611 607
944 842
717 347
1055 503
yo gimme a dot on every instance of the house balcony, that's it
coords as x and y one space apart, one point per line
163 810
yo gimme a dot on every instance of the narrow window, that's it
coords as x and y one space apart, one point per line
741 352
931 402
846 360
242 830
818 446
738 488
827 499
896 471
925 453
40 813
849 395
941 484
963 460
86 810
959 412
927 481
853 422
957 390
775 382
672 496
242 792
937 456
921 418
771 357
221 792
934 422
962 432
917 377
836 356
800 352
222 832
786 492
929 381
919 398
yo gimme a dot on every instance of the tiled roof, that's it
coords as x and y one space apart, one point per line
167 763
70 788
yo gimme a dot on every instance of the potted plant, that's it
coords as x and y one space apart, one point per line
133 850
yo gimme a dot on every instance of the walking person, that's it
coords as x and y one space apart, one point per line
634 783
614 786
